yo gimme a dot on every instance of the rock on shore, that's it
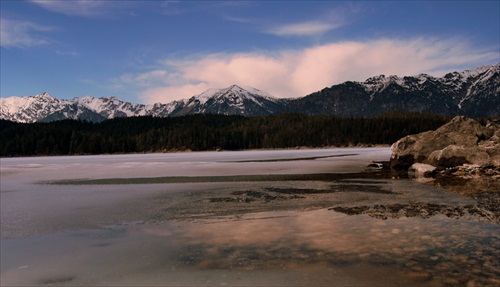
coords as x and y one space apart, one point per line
461 141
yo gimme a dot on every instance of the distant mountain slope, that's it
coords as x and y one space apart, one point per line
30 109
233 100
45 108
473 93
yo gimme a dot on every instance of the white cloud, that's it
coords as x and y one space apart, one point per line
148 79
303 29
330 19
22 34
295 73
84 8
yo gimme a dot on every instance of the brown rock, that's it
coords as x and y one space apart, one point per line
465 131
495 160
454 155
419 276
421 170
460 141
408 150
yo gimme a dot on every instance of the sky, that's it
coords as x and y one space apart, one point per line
160 51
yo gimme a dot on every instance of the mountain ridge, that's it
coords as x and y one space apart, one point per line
474 93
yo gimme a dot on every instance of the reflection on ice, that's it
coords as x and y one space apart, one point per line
315 248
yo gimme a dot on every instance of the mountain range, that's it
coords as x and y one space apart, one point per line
473 93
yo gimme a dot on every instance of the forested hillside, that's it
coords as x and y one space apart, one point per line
207 132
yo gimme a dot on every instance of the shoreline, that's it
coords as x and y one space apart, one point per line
176 151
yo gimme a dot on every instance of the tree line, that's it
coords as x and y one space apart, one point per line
208 132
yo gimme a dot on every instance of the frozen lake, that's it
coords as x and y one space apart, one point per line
233 218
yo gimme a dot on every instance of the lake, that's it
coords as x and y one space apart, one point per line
310 217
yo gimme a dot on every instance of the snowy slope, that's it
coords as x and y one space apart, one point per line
29 109
112 107
452 81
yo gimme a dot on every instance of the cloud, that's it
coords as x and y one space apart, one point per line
239 19
303 29
22 34
331 19
82 8
172 93
296 73
148 79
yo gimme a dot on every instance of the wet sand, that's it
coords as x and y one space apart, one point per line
314 218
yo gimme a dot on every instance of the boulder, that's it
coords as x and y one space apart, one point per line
460 141
409 150
495 160
454 155
421 170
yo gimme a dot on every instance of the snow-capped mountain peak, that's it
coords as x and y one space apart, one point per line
109 107
232 100
484 71
28 109
233 91
203 97
44 95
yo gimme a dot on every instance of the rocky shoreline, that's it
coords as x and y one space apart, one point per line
462 156
460 141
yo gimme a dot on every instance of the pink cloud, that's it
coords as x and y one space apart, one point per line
303 29
172 93
296 73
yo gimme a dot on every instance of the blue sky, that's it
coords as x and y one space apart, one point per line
159 51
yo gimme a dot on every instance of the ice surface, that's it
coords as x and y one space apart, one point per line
24 204
192 164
